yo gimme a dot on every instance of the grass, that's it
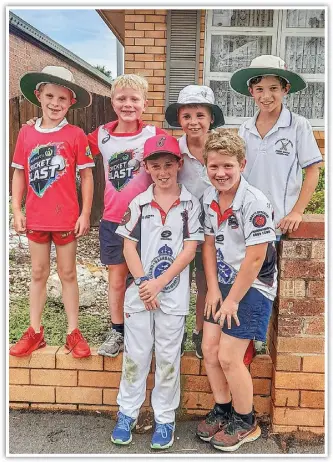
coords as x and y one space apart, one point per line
317 202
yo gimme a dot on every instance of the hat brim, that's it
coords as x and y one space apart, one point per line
151 154
239 79
29 81
171 114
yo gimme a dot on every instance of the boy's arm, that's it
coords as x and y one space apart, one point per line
291 221
248 271
18 189
214 296
87 189
148 290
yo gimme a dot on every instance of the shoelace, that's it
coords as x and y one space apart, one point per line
77 336
28 334
162 429
114 335
123 422
232 425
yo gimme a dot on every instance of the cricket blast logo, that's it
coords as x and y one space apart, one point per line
122 167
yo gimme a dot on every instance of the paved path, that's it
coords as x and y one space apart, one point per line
62 433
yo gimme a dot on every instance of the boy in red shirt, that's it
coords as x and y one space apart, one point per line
45 161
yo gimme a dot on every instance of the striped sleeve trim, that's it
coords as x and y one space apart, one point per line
81 167
15 165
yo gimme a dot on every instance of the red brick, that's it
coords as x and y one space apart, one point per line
134 18
196 400
99 379
99 409
135 65
143 26
156 18
262 404
66 361
300 345
314 399
134 33
113 364
261 366
53 377
195 383
261 386
314 363
311 269
129 25
154 65
288 363
316 289
144 57
299 381
318 250
305 307
19 406
19 376
161 42
203 368
83 395
54 407
285 398
190 364
312 227
289 326
315 430
308 417
160 26
314 326
110 396
284 428
135 49
155 50
291 288
144 41
196 412
33 394
40 359
295 250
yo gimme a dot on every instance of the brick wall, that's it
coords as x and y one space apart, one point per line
297 338
50 379
25 57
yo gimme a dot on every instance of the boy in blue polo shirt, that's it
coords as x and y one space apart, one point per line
160 229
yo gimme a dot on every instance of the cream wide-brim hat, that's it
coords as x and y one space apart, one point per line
262 66
56 75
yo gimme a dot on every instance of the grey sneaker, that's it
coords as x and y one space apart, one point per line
197 340
113 344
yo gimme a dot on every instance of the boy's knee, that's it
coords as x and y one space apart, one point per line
40 273
117 284
210 353
67 274
226 362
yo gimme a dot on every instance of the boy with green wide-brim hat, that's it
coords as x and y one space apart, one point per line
279 143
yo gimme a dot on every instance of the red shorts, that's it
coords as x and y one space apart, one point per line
58 237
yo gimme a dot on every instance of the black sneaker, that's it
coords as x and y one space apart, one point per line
197 340
212 424
182 350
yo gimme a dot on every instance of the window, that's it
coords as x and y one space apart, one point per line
235 37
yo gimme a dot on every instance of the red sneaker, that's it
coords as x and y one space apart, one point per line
249 353
29 342
77 345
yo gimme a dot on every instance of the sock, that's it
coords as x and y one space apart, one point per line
248 418
118 328
223 408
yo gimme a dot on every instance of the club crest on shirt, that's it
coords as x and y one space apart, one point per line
283 146
259 219
226 273
126 218
46 166
122 166
160 264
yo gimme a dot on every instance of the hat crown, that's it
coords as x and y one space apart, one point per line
59 71
196 94
269 61
161 143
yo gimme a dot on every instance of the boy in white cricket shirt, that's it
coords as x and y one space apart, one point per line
279 143
161 229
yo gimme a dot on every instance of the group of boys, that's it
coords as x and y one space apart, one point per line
163 198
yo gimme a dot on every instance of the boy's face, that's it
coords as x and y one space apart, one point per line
164 170
268 93
55 102
195 120
224 171
128 104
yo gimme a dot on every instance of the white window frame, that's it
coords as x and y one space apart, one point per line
279 31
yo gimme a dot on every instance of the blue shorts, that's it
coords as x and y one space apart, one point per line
254 311
111 244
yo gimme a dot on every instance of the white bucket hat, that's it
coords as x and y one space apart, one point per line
59 76
194 94
265 65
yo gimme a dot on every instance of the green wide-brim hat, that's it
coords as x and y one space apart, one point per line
56 75
265 65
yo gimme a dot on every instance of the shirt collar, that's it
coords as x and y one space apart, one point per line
284 120
184 148
50 130
148 196
213 195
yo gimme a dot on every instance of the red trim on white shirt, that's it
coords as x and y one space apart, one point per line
162 212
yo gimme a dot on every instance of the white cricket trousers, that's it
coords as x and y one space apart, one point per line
142 331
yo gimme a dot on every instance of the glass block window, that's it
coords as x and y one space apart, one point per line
235 37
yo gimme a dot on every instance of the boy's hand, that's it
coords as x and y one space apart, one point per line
82 226
153 305
31 122
213 298
19 222
148 290
228 310
290 222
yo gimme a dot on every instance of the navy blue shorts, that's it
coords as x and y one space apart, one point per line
254 311
111 244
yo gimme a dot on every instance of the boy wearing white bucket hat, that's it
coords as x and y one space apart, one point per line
45 160
279 143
